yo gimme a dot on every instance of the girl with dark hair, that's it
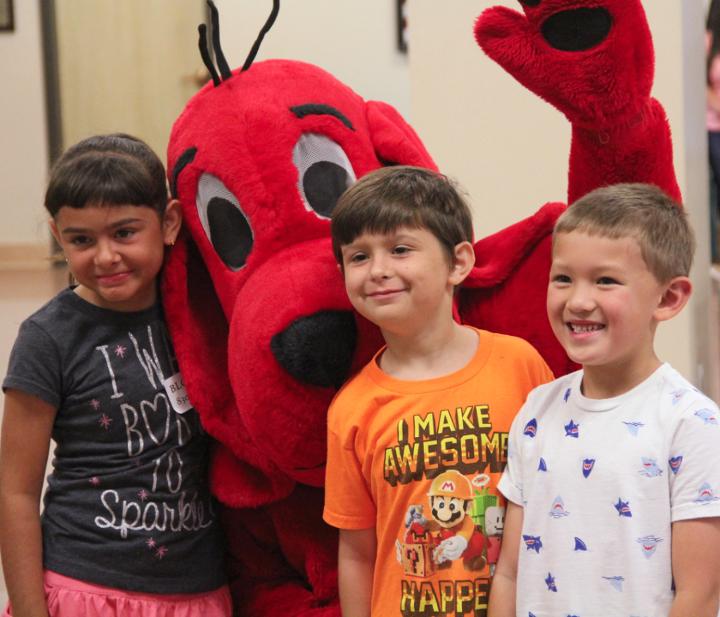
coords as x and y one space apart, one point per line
128 526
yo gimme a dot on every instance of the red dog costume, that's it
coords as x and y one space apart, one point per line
263 330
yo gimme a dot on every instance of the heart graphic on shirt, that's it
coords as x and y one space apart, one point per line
149 410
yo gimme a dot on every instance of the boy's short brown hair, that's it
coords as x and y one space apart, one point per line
402 196
639 211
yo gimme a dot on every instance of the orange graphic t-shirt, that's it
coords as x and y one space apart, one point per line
420 461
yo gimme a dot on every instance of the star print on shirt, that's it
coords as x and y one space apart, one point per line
95 404
550 582
572 430
623 508
120 351
105 421
532 543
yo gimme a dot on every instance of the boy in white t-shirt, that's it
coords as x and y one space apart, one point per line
613 476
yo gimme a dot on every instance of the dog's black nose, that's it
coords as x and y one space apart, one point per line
318 349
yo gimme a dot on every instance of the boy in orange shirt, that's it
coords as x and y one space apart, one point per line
417 440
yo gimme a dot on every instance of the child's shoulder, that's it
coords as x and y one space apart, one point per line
50 315
559 388
507 344
356 383
517 355
355 387
680 394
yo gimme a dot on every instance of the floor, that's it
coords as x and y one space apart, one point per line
23 292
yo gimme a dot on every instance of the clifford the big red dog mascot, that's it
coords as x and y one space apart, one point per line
263 330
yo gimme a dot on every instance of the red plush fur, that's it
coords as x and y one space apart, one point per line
240 137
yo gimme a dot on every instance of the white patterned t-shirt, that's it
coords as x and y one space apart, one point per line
600 483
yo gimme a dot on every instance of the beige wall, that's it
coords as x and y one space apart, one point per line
510 149
140 91
353 40
23 149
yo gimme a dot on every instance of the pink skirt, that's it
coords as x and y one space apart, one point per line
68 597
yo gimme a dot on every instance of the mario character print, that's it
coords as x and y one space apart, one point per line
453 538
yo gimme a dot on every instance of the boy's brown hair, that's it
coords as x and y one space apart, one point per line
642 212
402 196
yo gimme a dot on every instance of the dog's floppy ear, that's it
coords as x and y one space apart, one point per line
394 140
199 331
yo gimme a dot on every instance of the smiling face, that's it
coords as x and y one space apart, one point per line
401 281
604 304
115 252
448 511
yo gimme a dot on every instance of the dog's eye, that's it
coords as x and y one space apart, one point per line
324 172
224 222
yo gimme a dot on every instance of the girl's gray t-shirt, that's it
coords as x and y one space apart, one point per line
127 503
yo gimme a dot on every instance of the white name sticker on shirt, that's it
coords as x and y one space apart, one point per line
175 389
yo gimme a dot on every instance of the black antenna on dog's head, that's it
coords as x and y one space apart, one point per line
258 41
219 55
225 72
205 54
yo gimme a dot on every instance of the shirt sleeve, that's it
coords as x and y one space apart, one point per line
534 368
511 484
348 501
34 366
694 464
